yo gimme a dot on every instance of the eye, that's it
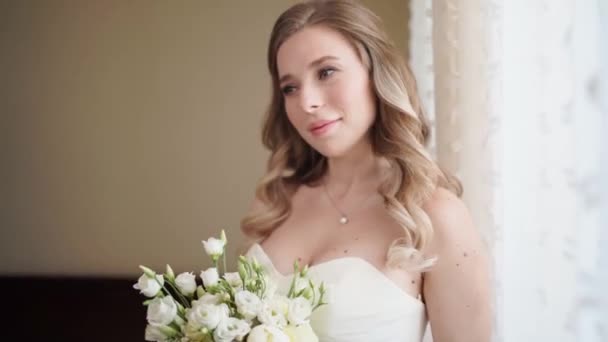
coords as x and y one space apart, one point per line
286 90
326 72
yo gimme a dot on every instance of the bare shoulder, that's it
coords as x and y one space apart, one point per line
457 288
444 206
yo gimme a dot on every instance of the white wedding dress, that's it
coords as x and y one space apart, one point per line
364 304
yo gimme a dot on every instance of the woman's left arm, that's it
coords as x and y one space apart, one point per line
457 288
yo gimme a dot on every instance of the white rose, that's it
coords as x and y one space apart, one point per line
231 329
264 333
299 311
234 279
207 315
214 247
149 286
186 283
247 304
161 311
210 277
274 312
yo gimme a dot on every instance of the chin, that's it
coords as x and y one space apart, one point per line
332 151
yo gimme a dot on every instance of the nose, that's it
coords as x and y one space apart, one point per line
311 99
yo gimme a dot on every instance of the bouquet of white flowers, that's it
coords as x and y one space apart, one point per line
228 306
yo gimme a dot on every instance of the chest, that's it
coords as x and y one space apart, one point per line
313 235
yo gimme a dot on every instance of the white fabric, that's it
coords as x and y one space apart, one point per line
551 171
420 45
467 60
365 305
518 92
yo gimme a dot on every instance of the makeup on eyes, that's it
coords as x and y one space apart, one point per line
327 71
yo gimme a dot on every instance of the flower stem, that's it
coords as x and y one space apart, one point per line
224 261
180 297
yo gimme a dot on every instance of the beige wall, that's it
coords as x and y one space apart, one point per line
130 130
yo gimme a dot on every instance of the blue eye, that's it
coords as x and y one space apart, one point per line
326 72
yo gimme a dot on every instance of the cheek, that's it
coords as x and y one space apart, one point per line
338 97
292 116
357 101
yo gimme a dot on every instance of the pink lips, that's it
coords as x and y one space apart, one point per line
322 126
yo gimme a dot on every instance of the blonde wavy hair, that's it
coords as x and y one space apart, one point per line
399 134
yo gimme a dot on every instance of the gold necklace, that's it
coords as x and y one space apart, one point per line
343 217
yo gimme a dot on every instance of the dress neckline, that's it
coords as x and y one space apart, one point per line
339 260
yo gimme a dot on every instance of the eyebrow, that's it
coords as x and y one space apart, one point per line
312 64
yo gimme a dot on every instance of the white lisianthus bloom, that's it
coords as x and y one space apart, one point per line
161 311
231 329
299 311
149 286
274 312
209 298
264 333
234 279
214 247
271 289
160 333
224 312
207 315
210 277
153 333
302 332
300 284
248 304
186 283
192 332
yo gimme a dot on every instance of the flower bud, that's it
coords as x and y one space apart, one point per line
304 271
242 271
169 273
307 293
147 271
223 237
168 331
255 264
200 291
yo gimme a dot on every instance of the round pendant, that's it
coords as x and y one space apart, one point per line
344 220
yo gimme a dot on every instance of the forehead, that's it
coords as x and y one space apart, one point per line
310 44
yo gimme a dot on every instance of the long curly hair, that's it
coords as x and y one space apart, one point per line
399 134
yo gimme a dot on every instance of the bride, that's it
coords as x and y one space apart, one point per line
351 190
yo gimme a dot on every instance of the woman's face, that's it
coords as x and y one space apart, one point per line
327 91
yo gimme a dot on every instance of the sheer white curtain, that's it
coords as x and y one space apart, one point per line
604 166
455 55
517 106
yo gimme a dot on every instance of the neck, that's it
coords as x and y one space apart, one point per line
355 172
